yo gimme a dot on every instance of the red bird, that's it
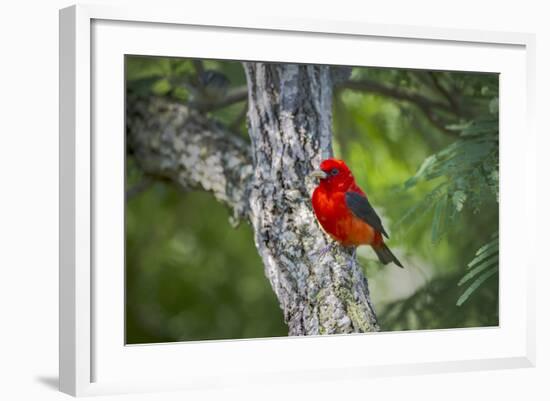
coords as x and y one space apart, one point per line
345 213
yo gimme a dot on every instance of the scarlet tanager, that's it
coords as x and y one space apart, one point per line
344 212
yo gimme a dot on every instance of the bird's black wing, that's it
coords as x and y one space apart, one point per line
361 208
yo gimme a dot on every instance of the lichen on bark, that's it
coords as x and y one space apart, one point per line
173 141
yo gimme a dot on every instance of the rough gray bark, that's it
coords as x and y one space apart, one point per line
173 141
290 129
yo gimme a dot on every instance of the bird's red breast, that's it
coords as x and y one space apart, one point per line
339 222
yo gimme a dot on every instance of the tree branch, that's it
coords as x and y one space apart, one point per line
173 141
366 85
234 96
241 117
445 93
425 104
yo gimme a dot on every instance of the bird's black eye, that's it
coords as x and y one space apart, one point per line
334 171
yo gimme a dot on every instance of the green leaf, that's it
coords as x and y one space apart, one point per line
482 126
486 250
439 219
142 86
458 127
484 264
480 280
478 269
490 250
161 87
493 105
426 164
459 197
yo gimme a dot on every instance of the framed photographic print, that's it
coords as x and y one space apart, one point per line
256 200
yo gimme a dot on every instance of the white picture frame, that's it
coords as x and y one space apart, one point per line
93 357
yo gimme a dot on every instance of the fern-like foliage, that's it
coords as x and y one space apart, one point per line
466 176
468 169
482 267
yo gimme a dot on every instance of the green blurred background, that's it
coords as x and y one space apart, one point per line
422 144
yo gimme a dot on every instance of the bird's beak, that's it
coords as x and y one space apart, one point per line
318 174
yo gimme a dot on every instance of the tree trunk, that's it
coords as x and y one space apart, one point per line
290 109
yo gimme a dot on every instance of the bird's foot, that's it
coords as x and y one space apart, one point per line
353 260
321 253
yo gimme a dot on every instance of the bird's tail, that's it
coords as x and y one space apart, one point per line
385 255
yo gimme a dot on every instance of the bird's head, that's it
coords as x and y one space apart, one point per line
334 175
